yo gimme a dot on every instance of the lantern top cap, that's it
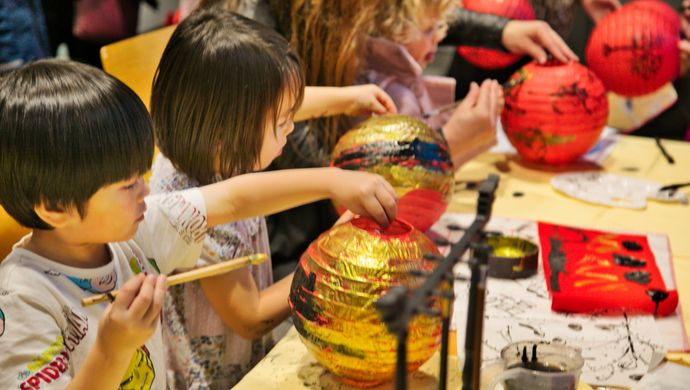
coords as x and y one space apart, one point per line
396 228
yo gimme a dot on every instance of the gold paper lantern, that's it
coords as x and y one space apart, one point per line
337 282
410 155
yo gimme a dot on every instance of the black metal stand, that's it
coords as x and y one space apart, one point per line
401 363
446 302
399 305
475 318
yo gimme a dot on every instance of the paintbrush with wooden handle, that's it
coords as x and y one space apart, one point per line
188 276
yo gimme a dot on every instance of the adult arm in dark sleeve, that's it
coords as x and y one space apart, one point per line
471 28
530 37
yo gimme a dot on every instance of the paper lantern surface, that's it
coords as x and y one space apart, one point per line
554 113
332 296
634 50
410 155
489 58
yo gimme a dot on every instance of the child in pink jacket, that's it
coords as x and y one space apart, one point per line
405 42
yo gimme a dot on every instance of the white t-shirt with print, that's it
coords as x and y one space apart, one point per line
45 334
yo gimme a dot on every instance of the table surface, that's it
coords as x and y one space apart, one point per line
290 366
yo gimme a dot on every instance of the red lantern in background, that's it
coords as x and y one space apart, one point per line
554 113
634 50
511 9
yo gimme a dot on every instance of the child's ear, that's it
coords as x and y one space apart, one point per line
56 217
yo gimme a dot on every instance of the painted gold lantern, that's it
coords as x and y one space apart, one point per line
554 113
410 155
337 282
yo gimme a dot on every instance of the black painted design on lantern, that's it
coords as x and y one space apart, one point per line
574 94
645 60
305 309
302 286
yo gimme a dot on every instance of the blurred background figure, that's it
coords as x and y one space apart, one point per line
87 25
23 35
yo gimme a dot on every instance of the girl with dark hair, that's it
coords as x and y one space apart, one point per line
223 101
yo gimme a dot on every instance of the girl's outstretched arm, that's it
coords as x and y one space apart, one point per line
243 308
267 193
354 100
234 296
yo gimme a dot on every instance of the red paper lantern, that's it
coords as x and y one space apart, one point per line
634 50
555 112
410 155
511 9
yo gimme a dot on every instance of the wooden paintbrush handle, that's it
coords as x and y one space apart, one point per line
195 274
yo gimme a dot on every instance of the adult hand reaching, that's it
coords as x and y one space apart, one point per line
535 38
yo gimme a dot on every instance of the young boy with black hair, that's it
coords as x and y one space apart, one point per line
74 143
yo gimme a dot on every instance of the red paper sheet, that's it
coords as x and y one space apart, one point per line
590 271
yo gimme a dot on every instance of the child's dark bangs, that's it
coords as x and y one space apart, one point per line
122 137
294 80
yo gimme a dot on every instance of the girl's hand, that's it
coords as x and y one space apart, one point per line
364 194
366 100
535 38
472 127
131 319
354 100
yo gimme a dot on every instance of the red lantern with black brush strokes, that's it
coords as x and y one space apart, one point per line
634 50
554 113
511 9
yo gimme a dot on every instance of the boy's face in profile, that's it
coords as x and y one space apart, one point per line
113 213
423 42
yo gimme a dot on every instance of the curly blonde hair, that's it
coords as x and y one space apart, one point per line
395 18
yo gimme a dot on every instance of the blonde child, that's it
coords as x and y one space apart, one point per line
401 45
74 143
223 103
